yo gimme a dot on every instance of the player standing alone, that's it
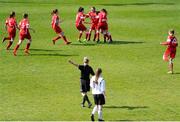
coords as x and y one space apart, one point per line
170 52
86 71
56 27
80 17
10 26
24 33
97 84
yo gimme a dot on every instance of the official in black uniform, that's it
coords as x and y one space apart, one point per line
86 71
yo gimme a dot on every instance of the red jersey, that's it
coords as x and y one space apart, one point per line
171 49
102 17
80 17
11 23
24 26
171 42
93 17
55 21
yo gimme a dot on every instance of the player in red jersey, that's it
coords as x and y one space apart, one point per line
10 26
170 52
103 26
80 17
56 27
94 22
24 33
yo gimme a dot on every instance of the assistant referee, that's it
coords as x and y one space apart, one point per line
86 71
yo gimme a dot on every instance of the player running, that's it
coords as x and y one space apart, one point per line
103 26
170 52
24 34
80 18
10 26
56 27
93 15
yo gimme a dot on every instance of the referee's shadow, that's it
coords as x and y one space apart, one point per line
125 107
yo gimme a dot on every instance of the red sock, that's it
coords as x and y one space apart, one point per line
9 45
16 48
80 35
105 37
27 46
97 35
89 36
56 38
7 38
110 38
64 38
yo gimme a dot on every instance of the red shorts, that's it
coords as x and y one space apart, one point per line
81 27
169 53
102 26
22 36
12 32
57 29
93 26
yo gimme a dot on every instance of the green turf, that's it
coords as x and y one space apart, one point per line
43 86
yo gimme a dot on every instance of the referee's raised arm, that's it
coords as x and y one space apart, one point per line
71 62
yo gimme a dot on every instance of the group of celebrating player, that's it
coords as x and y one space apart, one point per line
98 24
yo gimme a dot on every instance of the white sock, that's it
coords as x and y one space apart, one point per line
100 112
94 109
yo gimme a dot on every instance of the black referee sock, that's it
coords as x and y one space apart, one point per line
86 98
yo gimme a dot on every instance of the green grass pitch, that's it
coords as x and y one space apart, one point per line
43 86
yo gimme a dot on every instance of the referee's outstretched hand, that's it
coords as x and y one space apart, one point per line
70 61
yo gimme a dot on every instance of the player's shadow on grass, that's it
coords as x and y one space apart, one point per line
51 53
176 73
83 44
126 107
41 50
122 42
44 50
55 54
137 4
126 120
102 43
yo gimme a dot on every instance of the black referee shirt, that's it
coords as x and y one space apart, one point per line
86 70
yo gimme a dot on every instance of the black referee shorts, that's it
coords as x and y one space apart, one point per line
84 85
99 99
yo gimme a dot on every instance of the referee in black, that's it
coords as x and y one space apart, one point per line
86 71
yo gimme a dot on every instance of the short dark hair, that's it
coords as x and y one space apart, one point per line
94 8
97 12
54 11
104 10
25 15
172 31
12 14
80 9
